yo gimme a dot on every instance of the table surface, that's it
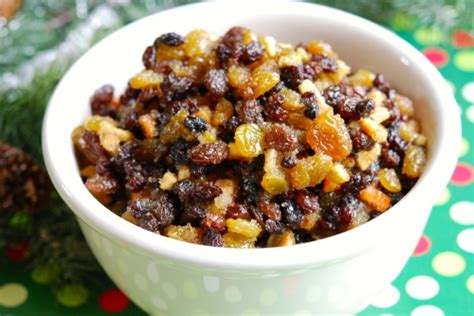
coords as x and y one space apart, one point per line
439 277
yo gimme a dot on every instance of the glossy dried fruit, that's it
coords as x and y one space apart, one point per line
414 161
375 199
310 171
389 180
249 141
329 135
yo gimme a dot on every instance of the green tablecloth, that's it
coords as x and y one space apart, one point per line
438 279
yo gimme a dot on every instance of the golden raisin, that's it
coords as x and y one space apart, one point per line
389 180
414 161
310 171
329 135
248 140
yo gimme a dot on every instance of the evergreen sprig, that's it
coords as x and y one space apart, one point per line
22 110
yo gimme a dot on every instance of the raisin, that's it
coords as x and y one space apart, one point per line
147 95
250 176
270 209
365 107
193 214
89 145
135 175
215 81
249 112
359 181
214 221
329 64
307 201
195 124
170 39
223 53
292 76
183 189
379 83
273 227
129 121
329 199
233 35
101 101
157 210
212 238
360 140
252 52
257 214
213 153
310 102
289 161
273 109
129 95
281 137
149 57
237 210
149 222
175 88
236 51
102 184
389 158
396 142
334 95
204 192
291 215
179 152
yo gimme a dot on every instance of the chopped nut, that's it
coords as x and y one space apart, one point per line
365 158
287 238
183 172
168 181
186 233
380 114
376 131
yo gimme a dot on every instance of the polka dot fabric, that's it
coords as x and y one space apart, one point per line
438 279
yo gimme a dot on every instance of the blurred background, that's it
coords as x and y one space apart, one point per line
46 267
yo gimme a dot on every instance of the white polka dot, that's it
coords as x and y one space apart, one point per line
387 298
250 312
466 240
190 289
13 295
140 282
313 293
422 287
427 310
462 213
152 272
159 303
468 91
336 293
302 313
211 283
170 290
268 297
232 294
107 245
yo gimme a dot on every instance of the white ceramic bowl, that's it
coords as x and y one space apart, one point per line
336 275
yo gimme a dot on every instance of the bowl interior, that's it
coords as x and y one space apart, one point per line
358 42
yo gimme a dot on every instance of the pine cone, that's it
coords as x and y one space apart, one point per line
24 185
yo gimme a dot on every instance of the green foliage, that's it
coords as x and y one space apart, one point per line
22 110
446 15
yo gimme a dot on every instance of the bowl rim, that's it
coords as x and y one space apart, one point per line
324 250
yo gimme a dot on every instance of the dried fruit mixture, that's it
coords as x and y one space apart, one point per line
242 141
